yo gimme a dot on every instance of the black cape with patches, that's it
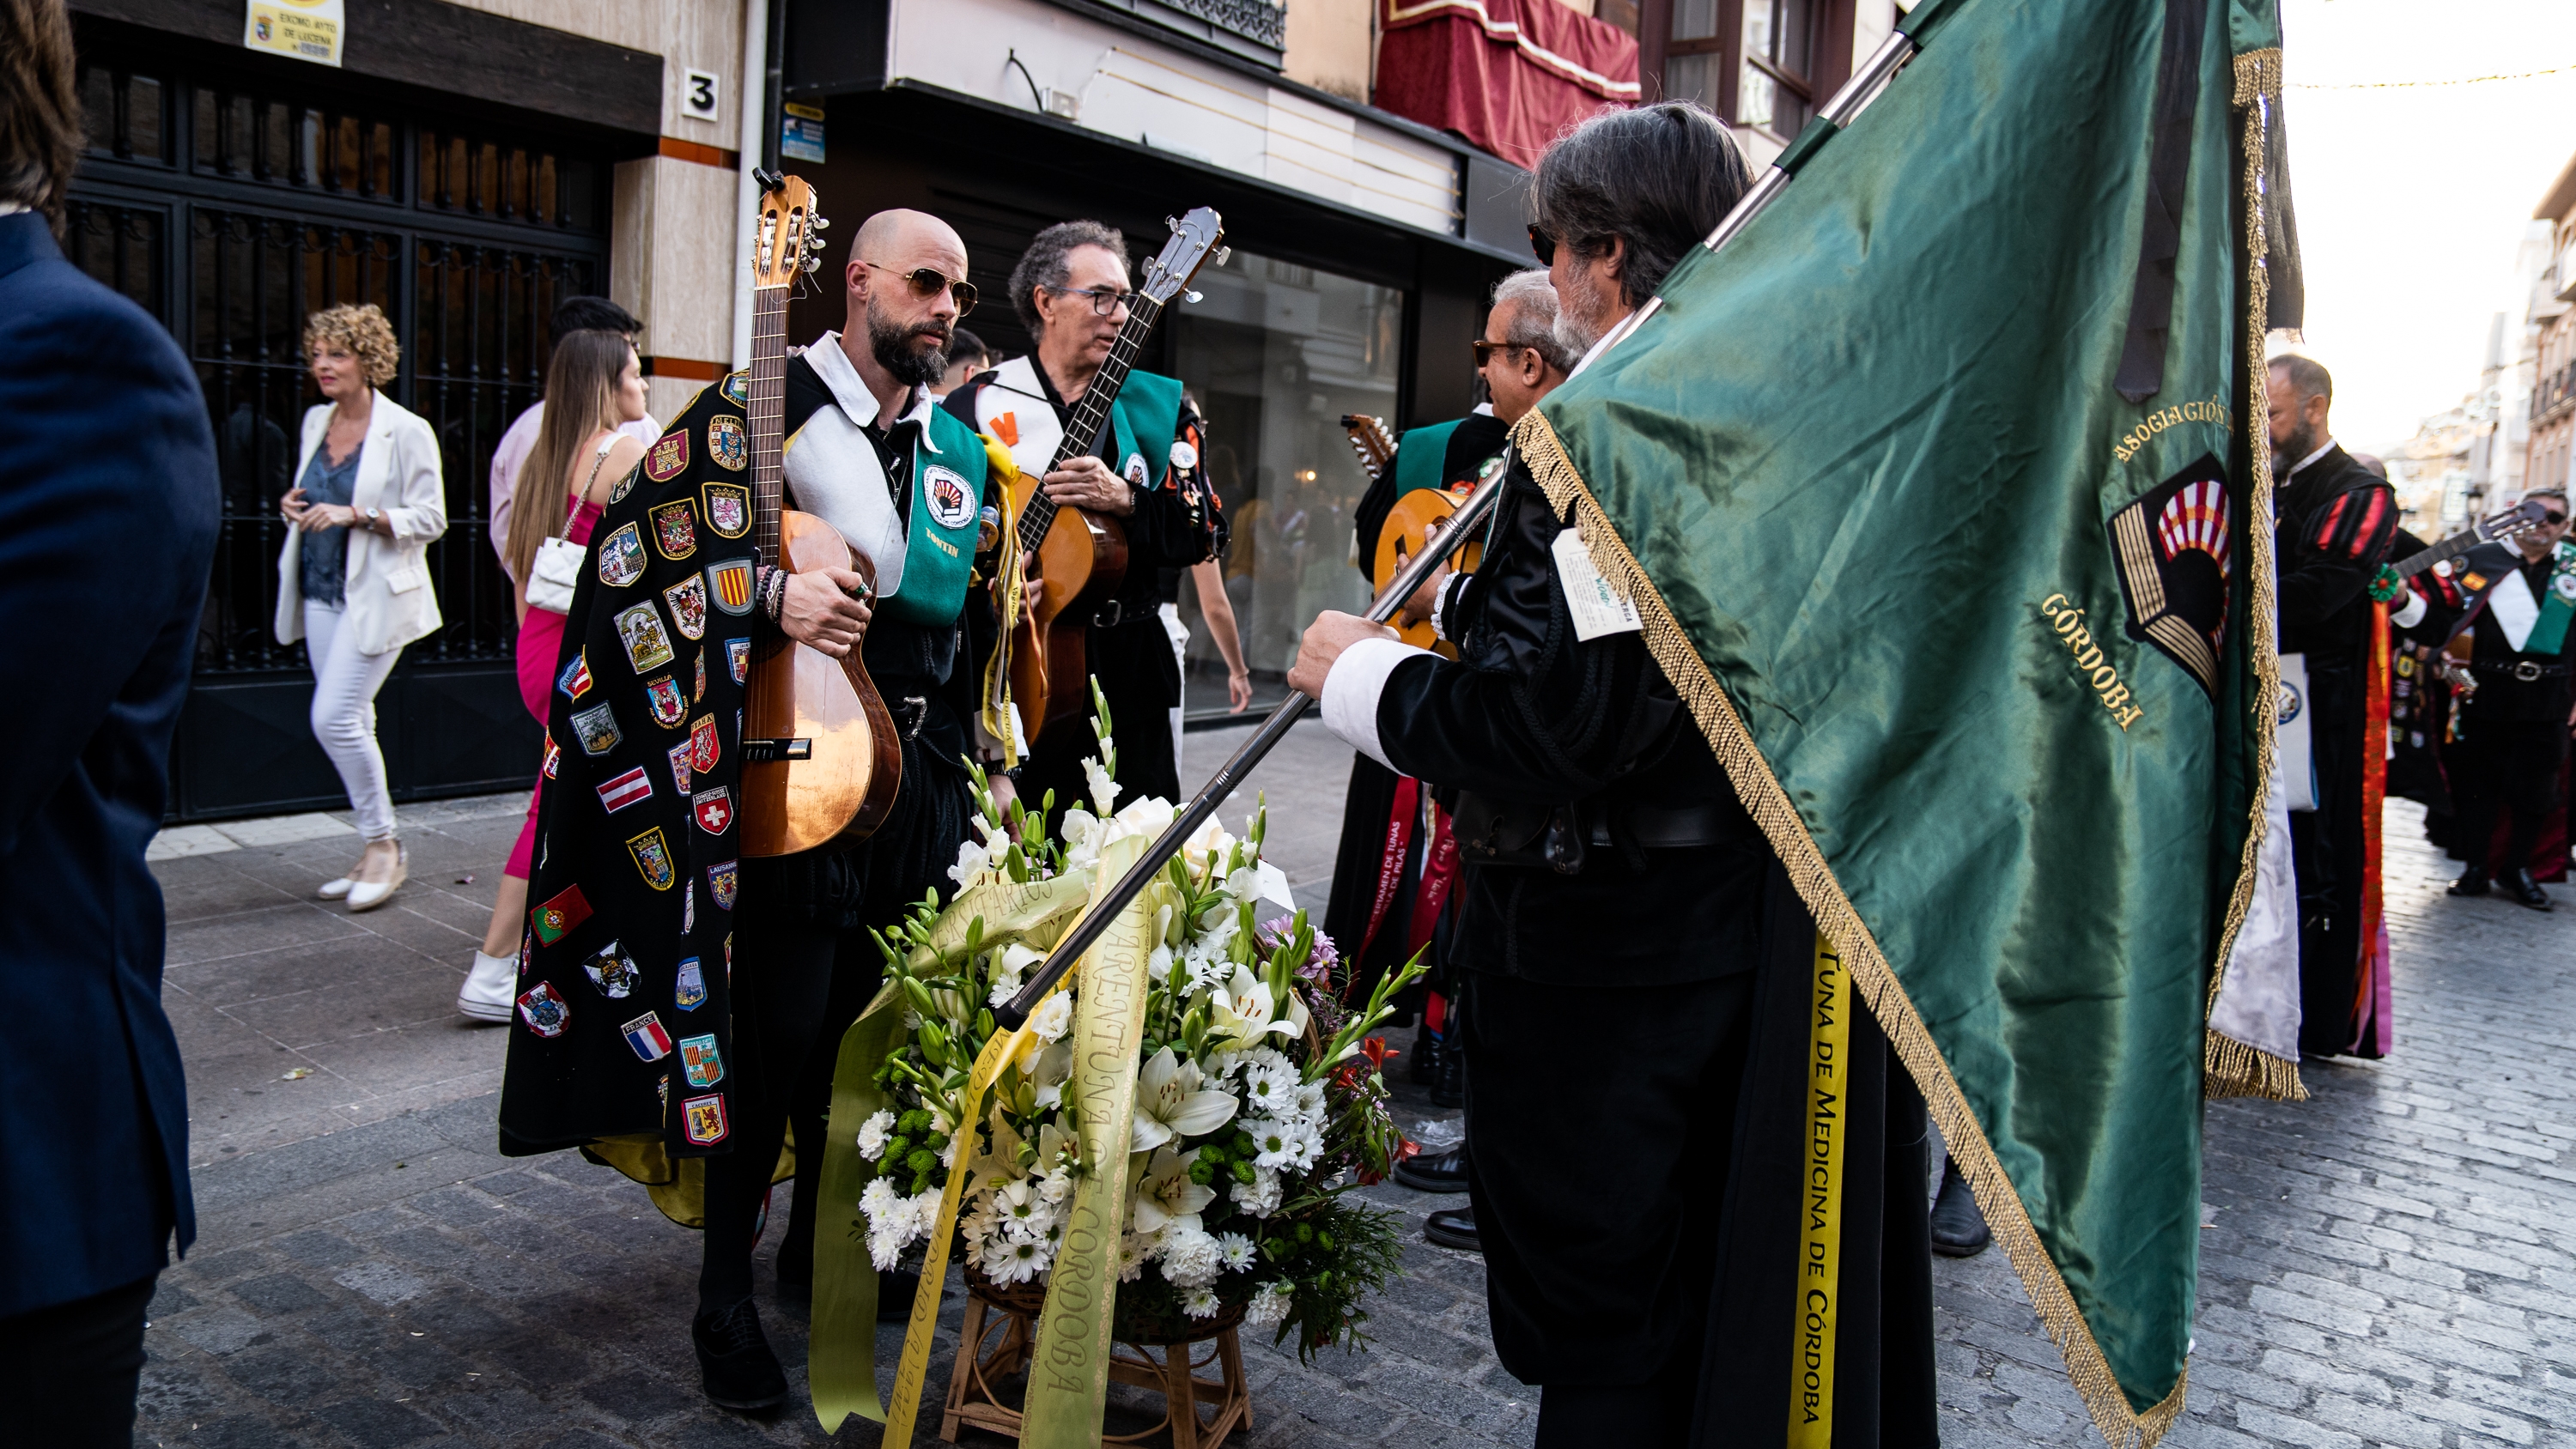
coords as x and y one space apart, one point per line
624 862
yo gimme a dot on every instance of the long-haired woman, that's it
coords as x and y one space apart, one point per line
594 383
353 580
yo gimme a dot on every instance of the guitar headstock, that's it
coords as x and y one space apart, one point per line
787 242
1371 440
2521 518
1196 239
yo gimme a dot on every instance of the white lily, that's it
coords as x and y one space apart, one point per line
974 858
1244 1012
1167 1196
1171 1103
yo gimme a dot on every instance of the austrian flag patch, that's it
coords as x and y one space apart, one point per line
625 790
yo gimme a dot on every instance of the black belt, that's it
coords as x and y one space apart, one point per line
1669 829
2525 670
1118 611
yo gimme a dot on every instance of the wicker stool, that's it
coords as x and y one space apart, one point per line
993 1311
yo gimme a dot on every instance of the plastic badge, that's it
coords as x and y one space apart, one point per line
1597 608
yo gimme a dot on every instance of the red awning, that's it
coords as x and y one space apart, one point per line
1508 75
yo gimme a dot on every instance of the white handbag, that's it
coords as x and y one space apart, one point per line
558 563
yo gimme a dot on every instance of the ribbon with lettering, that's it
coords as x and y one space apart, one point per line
1820 1236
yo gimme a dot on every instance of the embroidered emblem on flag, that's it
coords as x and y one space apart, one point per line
596 728
556 918
702 1120
725 443
722 880
639 626
728 508
675 529
613 972
664 460
691 991
713 809
2172 548
730 582
669 707
646 1035
653 858
699 1058
575 679
688 601
625 790
544 1010
621 557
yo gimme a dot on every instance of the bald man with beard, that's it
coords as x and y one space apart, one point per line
869 451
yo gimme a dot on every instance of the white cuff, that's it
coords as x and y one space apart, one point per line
1351 691
2413 613
1440 606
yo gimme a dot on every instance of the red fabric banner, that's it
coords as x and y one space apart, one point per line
1507 75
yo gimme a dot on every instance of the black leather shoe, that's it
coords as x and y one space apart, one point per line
1454 1228
1444 1173
2472 882
734 1361
1449 1088
2526 891
1423 1062
1958 1229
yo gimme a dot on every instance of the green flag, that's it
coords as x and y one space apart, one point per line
1942 492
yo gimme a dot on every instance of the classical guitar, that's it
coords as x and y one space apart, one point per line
2521 518
1413 519
1079 558
821 759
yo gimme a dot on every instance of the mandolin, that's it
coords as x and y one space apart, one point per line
821 760
1411 522
1079 558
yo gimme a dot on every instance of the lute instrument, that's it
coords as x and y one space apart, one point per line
820 757
1410 523
1079 558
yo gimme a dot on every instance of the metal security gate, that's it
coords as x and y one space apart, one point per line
231 216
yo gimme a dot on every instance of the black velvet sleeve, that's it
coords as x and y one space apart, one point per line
1177 522
2341 545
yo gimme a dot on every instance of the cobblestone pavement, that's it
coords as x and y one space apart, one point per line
2388 1264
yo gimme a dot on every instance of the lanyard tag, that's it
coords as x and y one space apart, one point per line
1597 608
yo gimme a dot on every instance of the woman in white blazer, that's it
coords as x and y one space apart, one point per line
353 580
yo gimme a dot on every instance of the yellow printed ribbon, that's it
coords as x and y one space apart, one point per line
1820 1240
994 713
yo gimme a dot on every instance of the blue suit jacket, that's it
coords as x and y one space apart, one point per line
108 499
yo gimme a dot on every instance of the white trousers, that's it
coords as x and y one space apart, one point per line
344 715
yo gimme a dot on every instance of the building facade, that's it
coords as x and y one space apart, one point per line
2553 316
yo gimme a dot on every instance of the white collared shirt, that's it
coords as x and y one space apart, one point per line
833 467
2303 462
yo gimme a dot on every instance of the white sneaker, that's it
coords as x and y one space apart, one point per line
367 895
490 988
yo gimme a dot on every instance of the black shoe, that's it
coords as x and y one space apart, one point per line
734 1360
1444 1173
2526 891
1425 1058
1958 1229
1449 1087
1454 1228
2472 882
895 1293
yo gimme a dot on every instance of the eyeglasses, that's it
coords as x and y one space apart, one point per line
928 282
1486 349
1543 244
2552 518
1105 301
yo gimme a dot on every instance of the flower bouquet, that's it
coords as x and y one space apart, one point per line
1253 1098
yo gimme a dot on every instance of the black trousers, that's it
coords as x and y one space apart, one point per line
1140 679
1598 1277
68 1373
2506 769
2328 856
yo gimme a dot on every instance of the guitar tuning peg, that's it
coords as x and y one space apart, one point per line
1220 254
1194 296
822 223
813 264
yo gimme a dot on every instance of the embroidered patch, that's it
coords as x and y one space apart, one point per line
680 771
730 583
646 1035
702 678
704 749
688 601
1134 472
738 658
725 443
597 730
691 991
653 858
555 919
554 757
737 388
702 1120
640 628
723 879
2565 586
575 679
688 908
669 708
728 508
699 1058
613 972
2172 545
713 809
944 491
1184 456
544 1010
664 460
675 529
625 790
621 557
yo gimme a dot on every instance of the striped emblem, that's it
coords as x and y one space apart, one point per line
730 582
625 790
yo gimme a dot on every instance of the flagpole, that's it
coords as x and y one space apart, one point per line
1898 48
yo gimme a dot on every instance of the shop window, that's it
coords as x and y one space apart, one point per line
1274 355
1770 56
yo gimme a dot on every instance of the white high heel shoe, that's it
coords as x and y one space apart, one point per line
332 890
367 895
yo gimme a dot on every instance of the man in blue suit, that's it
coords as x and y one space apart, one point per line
108 497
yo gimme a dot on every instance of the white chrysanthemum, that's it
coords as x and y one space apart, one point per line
872 1135
1270 1304
1237 1252
1273 1141
1190 1258
1209 970
1054 1018
1007 1260
1020 1211
978 1222
1305 1146
1271 1091
1259 1197
948 1154
1096 784
1201 1303
878 1199
1310 1101
1131 1257
1055 1187
1010 965
885 1248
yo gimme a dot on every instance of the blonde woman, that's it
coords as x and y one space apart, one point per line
353 581
594 384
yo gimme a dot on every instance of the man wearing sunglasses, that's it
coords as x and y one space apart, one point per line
2512 737
1071 291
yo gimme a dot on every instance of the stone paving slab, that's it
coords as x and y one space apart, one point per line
2391 1263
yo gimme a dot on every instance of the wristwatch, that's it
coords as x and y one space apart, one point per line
372 516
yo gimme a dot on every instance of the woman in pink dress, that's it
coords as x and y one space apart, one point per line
594 383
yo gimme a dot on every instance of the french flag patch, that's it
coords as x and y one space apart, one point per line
625 790
646 1035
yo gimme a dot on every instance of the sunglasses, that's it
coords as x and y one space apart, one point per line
1105 301
928 282
1486 349
2552 518
1543 244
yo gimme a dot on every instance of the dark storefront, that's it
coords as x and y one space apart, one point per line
230 195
